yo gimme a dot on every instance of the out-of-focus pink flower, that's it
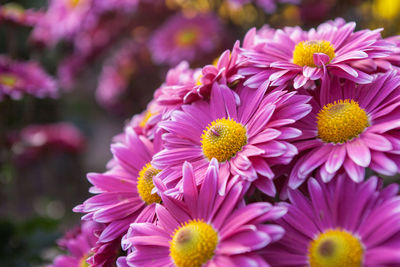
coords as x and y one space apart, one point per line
63 19
78 242
16 14
19 78
269 6
115 76
182 38
35 140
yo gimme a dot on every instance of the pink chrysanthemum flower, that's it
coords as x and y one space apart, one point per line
248 133
183 38
125 192
300 57
78 242
179 85
14 13
35 141
205 229
115 76
351 127
223 71
269 6
341 223
19 78
69 14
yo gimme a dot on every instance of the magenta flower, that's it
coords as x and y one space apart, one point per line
62 20
20 78
124 193
223 71
351 127
115 76
248 133
78 242
14 13
341 223
182 38
180 83
35 141
300 57
269 6
205 229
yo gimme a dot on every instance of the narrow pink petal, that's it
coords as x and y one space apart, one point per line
359 152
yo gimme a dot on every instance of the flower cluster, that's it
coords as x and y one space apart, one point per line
260 159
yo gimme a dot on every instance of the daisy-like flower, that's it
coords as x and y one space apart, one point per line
341 223
300 57
115 76
16 14
124 194
78 242
351 127
248 133
269 6
182 38
19 78
179 84
34 141
206 229
70 14
223 71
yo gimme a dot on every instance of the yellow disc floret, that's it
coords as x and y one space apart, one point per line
303 54
145 184
186 37
193 244
222 139
341 121
335 248
8 80
147 115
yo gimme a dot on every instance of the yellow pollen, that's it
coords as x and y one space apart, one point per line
74 3
303 54
222 139
186 37
198 80
193 244
145 184
148 114
335 248
341 121
8 80
82 262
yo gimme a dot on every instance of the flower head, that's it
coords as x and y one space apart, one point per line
341 223
204 228
20 78
78 242
182 38
297 57
351 127
248 133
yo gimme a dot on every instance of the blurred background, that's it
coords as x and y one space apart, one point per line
99 63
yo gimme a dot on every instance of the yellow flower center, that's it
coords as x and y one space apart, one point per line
335 248
145 184
186 37
341 121
74 3
222 139
8 80
13 9
303 54
146 118
82 262
193 244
